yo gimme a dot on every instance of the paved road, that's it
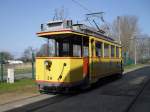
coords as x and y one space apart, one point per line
131 93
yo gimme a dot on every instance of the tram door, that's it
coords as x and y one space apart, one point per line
85 67
86 59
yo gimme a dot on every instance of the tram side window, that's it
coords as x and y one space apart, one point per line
65 49
117 52
106 50
112 51
98 49
76 50
85 51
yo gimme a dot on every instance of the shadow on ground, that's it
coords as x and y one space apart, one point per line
63 96
111 80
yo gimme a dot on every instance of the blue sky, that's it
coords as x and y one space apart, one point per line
21 19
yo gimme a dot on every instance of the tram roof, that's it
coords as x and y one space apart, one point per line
67 32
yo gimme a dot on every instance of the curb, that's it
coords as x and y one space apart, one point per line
133 69
22 102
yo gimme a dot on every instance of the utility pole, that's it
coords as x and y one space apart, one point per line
135 52
135 58
47 48
33 63
1 63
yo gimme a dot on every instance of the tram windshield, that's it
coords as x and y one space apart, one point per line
70 46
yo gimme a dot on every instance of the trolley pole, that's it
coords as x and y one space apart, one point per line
33 70
1 64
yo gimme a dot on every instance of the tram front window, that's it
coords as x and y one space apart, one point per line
67 47
59 48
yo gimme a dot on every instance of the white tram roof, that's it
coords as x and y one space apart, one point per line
66 25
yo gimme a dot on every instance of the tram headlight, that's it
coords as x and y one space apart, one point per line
48 65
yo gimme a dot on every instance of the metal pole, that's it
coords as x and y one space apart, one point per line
33 60
48 53
1 62
135 58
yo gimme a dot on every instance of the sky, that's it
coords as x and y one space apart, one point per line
20 19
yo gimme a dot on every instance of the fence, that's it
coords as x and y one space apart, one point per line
127 60
23 70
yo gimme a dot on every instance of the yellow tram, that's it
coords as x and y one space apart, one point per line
79 56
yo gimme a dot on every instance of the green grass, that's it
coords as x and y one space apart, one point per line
132 66
22 85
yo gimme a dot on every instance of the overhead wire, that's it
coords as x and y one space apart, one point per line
85 8
89 11
82 6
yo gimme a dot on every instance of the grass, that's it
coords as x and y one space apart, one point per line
22 85
132 66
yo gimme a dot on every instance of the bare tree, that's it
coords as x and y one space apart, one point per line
141 49
125 27
43 50
27 54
